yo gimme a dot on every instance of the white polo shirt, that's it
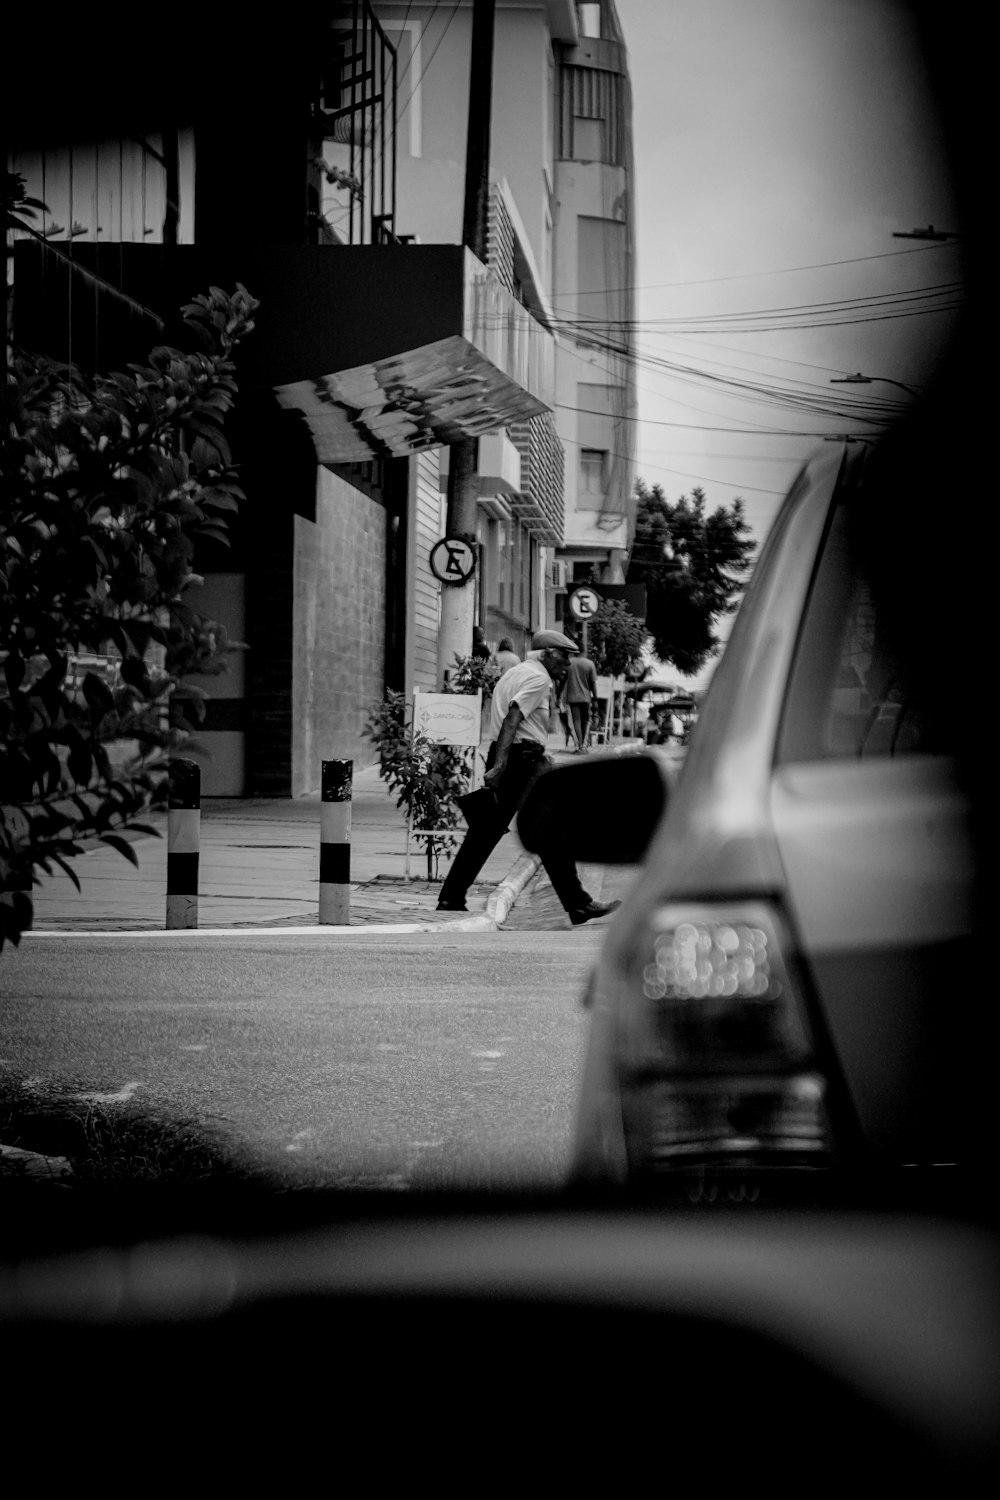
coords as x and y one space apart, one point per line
529 686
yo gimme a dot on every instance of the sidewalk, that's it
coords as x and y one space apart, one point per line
259 867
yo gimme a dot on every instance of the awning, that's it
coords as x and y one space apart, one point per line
493 366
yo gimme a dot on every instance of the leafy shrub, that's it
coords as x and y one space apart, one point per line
427 776
107 483
473 674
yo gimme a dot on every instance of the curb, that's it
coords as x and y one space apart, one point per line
498 905
502 898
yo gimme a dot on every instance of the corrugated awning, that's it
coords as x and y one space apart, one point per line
494 364
436 394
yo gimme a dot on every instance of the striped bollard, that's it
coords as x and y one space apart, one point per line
183 843
335 843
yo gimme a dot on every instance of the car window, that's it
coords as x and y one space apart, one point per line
847 696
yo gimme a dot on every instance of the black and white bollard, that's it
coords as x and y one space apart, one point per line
183 843
335 843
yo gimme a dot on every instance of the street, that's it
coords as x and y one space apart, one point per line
437 1060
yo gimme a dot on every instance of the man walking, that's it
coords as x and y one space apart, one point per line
519 725
580 693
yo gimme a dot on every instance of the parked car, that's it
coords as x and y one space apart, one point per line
790 982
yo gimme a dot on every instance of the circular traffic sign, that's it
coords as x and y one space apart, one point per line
453 560
584 603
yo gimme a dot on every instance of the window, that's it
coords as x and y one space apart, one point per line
589 13
847 698
593 471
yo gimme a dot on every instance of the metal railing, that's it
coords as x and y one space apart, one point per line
355 116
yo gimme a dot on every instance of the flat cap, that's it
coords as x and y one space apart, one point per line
551 640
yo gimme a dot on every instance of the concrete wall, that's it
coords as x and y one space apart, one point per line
338 652
431 185
427 526
222 738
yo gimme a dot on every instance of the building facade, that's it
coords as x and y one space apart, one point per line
321 165
556 492
594 294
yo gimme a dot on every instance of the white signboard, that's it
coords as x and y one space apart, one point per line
449 718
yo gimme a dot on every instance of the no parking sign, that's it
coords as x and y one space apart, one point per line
584 602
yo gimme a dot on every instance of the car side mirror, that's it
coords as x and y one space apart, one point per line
602 810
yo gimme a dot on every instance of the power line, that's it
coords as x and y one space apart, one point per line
749 275
423 71
906 297
820 404
741 370
702 478
781 359
698 427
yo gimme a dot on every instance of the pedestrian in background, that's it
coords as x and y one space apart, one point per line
564 718
520 710
580 692
506 656
480 650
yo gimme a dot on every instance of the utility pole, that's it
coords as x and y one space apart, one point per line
458 599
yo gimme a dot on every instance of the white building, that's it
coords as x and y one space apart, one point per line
555 490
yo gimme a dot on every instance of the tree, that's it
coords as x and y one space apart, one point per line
694 565
615 639
108 482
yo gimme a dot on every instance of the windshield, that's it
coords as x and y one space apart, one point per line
303 455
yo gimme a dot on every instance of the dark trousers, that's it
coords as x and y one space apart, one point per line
524 762
581 720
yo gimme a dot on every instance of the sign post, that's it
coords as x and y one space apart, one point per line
584 602
453 561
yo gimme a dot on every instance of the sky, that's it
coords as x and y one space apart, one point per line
779 145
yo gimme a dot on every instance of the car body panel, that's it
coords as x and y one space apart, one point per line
879 876
867 862
714 833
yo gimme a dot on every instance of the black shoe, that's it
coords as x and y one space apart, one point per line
451 906
591 910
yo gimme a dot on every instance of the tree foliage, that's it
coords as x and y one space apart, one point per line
695 565
108 482
616 639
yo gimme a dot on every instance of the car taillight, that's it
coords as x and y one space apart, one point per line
717 1043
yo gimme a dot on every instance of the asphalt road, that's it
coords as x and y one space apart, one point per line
434 1061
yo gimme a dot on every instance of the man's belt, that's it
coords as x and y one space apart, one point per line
530 749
